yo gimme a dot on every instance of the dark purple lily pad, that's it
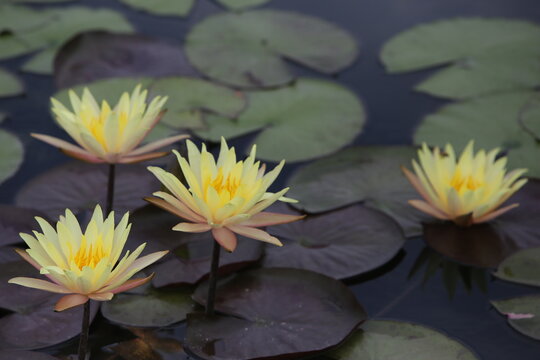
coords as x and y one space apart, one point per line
24 355
96 55
8 254
79 187
339 244
271 314
14 220
486 245
190 257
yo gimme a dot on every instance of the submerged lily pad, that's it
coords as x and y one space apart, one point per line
241 4
9 84
190 258
154 307
491 121
523 268
79 187
483 55
24 355
339 244
523 314
308 119
162 7
149 345
399 340
270 313
11 155
14 220
248 49
98 54
368 174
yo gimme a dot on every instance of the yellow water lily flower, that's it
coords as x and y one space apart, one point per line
107 134
84 265
468 190
224 196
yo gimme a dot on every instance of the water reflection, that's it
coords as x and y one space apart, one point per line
453 273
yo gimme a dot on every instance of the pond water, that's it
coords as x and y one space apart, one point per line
393 112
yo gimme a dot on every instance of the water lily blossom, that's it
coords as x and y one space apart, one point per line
225 197
84 265
468 190
109 135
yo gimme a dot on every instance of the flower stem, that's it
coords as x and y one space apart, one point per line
213 279
83 342
110 189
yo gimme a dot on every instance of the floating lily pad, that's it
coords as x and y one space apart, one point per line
8 254
190 258
98 54
24 355
491 121
486 245
79 187
523 268
368 174
248 49
9 84
529 117
398 340
309 119
339 244
270 313
15 297
149 345
11 155
153 308
14 220
40 326
523 314
484 55
241 4
55 27
15 19
162 7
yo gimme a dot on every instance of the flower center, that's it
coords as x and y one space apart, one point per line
228 184
89 254
462 183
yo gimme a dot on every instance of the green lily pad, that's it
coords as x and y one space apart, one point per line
10 85
15 19
523 268
523 314
483 55
309 119
491 121
368 174
162 7
80 186
339 244
399 340
59 25
11 155
153 308
24 355
248 49
95 55
241 4
14 220
529 117
270 313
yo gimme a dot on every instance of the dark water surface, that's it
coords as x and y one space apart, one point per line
393 112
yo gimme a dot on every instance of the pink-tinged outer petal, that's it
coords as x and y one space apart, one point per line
106 296
269 218
69 301
183 213
225 238
68 148
32 262
514 316
39 284
254 233
140 158
492 215
428 209
415 182
192 228
131 284
157 145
